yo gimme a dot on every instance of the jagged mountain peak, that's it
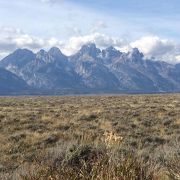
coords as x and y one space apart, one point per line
111 48
89 46
43 55
90 49
22 51
55 51
42 52
110 53
19 53
18 58
135 54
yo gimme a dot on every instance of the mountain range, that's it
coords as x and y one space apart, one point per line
90 70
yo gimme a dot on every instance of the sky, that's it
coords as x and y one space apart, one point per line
151 26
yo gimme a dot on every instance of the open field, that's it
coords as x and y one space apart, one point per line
92 137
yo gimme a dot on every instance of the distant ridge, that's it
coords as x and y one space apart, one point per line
90 70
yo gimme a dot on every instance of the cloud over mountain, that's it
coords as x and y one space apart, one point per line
151 46
12 38
101 40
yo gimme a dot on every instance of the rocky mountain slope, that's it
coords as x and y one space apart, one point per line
12 84
92 70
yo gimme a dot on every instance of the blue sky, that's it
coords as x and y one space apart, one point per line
68 24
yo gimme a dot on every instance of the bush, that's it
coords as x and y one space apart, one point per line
87 162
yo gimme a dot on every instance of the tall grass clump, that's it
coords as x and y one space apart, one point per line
101 161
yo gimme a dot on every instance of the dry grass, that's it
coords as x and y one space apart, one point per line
120 137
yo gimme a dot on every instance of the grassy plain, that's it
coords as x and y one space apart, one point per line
90 137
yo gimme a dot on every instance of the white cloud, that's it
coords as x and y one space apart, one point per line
73 30
101 40
177 58
150 46
12 39
153 45
98 25
51 1
161 49
47 1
